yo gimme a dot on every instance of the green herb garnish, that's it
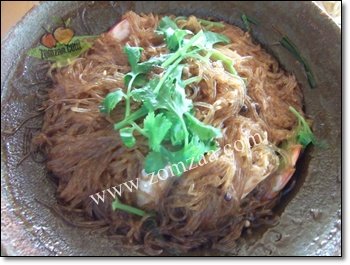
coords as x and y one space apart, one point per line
156 128
111 101
210 24
291 47
304 134
205 23
137 70
165 114
117 205
126 134
203 131
247 21
174 36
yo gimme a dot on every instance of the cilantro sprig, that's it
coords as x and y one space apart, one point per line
111 101
303 134
166 116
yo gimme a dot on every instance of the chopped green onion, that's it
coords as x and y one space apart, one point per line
247 21
291 47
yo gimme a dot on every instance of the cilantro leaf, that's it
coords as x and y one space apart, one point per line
126 134
137 68
111 101
166 23
156 127
174 36
179 160
194 150
191 153
147 66
172 95
176 134
138 71
146 95
203 131
134 56
304 134
177 39
155 161
212 38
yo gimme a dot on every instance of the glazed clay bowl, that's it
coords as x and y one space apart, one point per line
310 216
